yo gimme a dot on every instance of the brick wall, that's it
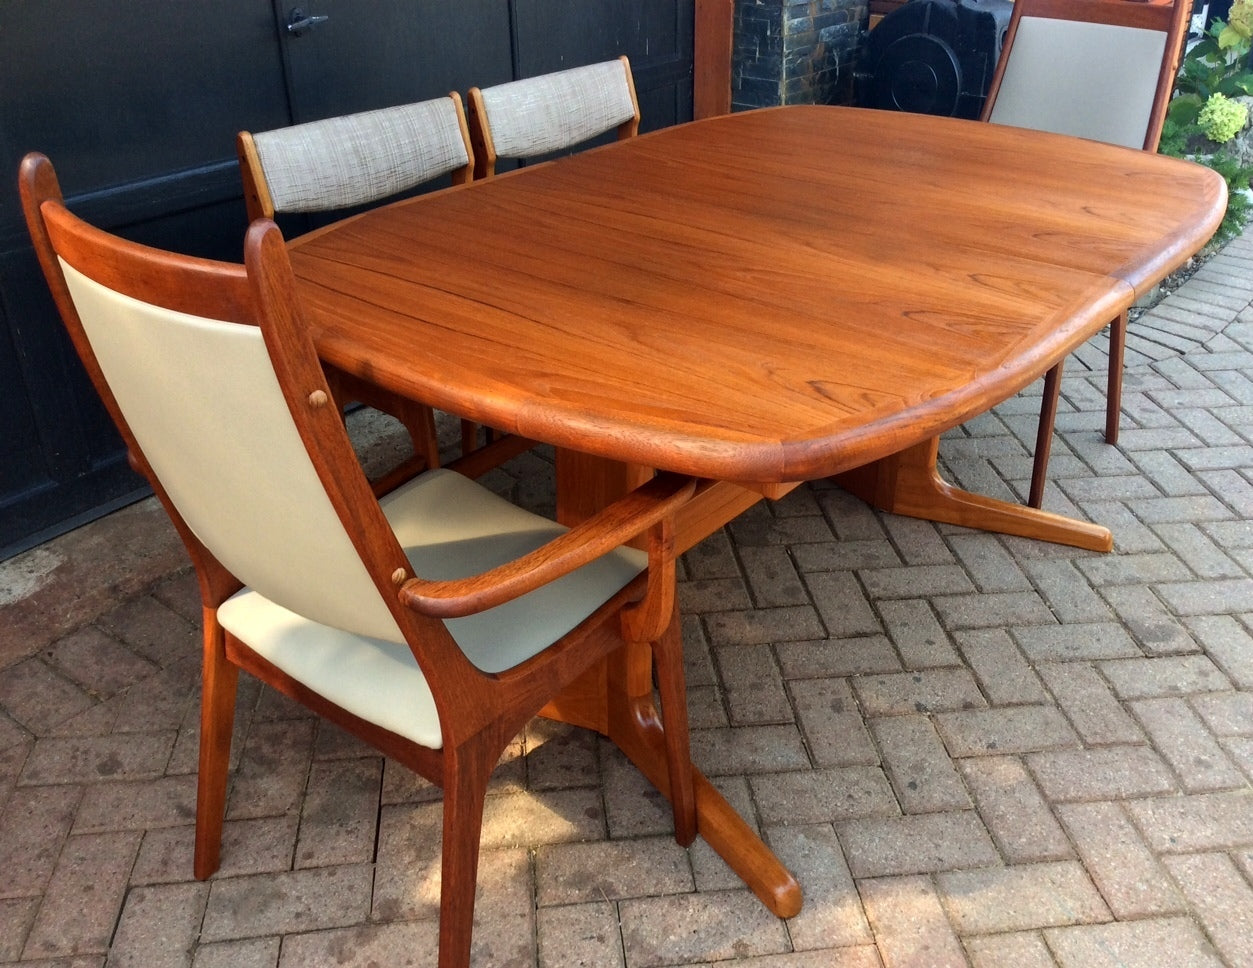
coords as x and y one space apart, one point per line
794 51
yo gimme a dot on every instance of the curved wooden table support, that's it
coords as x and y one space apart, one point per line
630 719
626 713
908 483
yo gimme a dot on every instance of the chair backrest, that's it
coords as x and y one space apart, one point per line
354 159
1098 69
175 350
539 115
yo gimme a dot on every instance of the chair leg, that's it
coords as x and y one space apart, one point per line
419 421
217 719
1044 434
668 664
1113 392
469 436
465 788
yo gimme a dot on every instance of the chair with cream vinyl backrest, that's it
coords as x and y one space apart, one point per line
353 160
1098 69
433 623
553 112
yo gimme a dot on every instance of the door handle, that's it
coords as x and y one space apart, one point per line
298 22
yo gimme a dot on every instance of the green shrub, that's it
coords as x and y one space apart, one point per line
1204 121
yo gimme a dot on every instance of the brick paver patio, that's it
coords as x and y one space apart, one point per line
971 749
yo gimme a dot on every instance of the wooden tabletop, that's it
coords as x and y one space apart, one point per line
770 296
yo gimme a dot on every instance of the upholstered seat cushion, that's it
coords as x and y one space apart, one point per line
450 527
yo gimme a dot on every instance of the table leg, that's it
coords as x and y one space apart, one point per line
615 697
908 483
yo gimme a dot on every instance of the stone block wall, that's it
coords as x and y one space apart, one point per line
795 51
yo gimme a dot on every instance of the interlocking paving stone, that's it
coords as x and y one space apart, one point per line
1151 626
1011 807
1228 643
38 698
1087 700
772 577
819 796
410 944
1083 640
1163 676
842 604
287 902
1208 598
752 685
749 749
1100 774
845 555
579 934
918 765
339 813
995 610
1020 898
1198 551
1007 729
610 870
1004 674
84 896
909 923
1226 713
159 926
835 733
1221 897
837 657
917 844
1200 822
1127 873
925 691
1187 745
1133 944
132 756
1024 949
917 634
97 662
682 928
143 805
759 626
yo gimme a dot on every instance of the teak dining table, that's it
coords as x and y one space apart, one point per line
756 300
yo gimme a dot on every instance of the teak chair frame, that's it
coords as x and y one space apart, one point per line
417 419
485 148
478 713
1171 19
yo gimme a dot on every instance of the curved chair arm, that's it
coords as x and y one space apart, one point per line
609 528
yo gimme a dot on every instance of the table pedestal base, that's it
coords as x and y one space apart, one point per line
628 717
908 483
615 697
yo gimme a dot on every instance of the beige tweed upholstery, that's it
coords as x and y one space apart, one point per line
542 114
1090 80
359 158
206 408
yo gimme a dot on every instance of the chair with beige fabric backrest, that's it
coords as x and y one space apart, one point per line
433 623
553 112
1098 69
353 160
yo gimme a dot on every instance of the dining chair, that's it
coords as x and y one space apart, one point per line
433 622
1098 69
352 160
540 115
